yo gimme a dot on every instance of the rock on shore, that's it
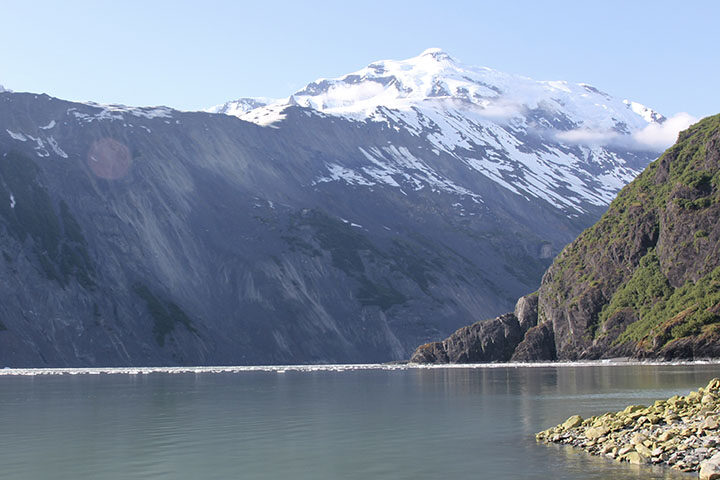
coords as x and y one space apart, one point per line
682 432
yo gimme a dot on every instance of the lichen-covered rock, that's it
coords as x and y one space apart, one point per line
710 423
572 422
635 458
596 432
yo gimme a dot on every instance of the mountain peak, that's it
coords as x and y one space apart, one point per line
241 105
435 82
434 92
436 53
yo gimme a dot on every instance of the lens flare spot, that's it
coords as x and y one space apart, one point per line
109 159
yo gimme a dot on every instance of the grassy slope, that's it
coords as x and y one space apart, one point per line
654 254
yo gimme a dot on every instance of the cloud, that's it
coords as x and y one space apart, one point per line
501 110
659 136
588 137
342 95
654 137
496 109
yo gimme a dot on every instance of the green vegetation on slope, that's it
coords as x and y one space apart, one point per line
653 256
646 288
657 305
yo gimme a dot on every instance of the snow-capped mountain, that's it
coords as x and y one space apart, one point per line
356 219
241 106
571 145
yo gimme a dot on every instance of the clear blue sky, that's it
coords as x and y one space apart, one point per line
192 55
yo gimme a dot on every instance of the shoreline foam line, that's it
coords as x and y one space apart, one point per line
332 367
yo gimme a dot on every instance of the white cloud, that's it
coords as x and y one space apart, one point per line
659 136
588 137
343 95
501 110
655 136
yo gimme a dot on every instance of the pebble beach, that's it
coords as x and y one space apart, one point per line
681 432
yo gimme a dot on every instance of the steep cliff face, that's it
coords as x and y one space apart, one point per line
644 281
485 341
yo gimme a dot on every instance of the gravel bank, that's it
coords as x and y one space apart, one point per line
681 432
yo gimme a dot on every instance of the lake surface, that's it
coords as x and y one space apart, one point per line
314 423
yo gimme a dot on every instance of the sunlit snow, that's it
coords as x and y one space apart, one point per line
118 112
17 136
483 119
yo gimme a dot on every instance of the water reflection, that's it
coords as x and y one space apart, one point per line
458 423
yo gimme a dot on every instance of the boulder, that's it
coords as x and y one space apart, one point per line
572 422
526 311
710 469
714 384
643 450
710 423
635 458
596 432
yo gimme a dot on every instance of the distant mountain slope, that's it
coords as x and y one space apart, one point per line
240 106
644 281
148 236
571 145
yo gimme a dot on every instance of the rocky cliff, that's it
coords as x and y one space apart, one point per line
644 281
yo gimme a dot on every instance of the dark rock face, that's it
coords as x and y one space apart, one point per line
434 352
696 347
488 341
645 280
538 344
485 341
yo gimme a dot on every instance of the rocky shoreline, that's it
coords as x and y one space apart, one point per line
682 432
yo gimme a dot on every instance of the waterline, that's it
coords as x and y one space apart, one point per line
7 371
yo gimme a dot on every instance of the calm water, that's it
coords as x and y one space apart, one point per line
457 423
